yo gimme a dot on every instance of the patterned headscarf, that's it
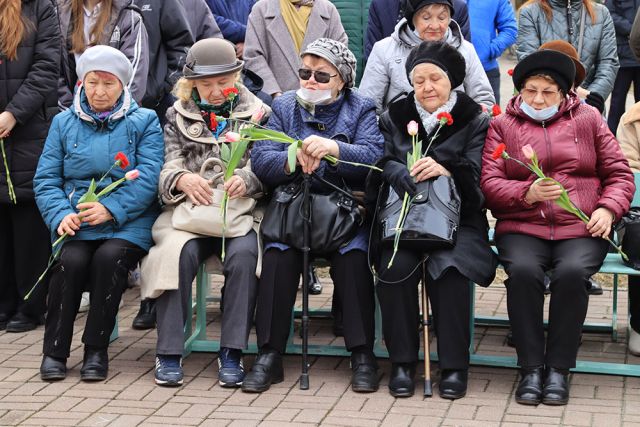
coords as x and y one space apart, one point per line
338 55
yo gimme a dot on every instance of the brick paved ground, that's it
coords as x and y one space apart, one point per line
129 397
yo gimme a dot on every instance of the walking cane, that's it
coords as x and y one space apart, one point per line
425 329
306 221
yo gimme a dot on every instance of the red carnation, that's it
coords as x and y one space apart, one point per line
213 122
510 71
445 118
229 91
121 160
499 151
495 110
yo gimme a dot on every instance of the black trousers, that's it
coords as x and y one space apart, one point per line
277 289
450 298
634 302
525 259
103 265
494 81
624 78
25 247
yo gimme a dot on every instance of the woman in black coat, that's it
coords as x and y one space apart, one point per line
434 68
29 70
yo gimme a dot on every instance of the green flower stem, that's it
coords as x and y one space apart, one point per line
401 218
12 193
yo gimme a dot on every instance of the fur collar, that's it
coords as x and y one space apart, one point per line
404 110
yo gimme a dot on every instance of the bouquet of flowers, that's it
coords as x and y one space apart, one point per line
12 193
563 201
88 197
416 154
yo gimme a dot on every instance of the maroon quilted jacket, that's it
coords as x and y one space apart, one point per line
576 148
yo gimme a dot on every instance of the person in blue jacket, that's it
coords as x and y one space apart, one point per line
232 16
385 14
108 237
493 30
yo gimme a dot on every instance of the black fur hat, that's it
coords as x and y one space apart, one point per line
557 65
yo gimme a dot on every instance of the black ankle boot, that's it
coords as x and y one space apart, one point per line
364 377
146 317
529 391
266 370
53 368
556 387
401 382
453 383
95 364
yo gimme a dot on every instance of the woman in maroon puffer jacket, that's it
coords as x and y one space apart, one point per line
533 234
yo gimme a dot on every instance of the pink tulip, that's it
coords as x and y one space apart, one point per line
528 152
232 136
132 174
257 116
412 128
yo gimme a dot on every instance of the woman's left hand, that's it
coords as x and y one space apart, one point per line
94 213
7 123
426 168
600 223
317 147
235 187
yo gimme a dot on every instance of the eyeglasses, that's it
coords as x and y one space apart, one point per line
548 95
319 76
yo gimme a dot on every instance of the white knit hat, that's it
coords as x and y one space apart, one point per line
105 58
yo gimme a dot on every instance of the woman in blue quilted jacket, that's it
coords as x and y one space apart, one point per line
108 237
331 119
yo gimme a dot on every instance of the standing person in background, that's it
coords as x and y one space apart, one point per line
201 20
29 71
169 40
385 14
232 16
595 40
278 30
623 13
115 23
494 29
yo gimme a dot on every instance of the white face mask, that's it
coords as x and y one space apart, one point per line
540 115
315 97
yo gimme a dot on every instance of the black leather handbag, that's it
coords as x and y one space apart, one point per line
432 220
335 217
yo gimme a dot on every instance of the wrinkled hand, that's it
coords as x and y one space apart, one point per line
69 224
239 50
542 191
397 175
94 213
426 168
308 163
318 147
235 187
196 188
7 123
600 223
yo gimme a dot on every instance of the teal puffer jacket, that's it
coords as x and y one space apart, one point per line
79 148
599 53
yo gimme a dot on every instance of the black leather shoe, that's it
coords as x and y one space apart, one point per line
401 382
595 288
556 387
364 376
529 391
146 317
95 364
21 322
266 370
453 383
315 287
53 368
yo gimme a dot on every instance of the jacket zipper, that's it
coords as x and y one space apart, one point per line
549 203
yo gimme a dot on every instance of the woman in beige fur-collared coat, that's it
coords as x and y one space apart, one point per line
194 134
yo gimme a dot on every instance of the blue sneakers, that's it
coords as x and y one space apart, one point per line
230 368
169 370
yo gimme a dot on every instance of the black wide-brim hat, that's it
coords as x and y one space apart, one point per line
441 54
557 65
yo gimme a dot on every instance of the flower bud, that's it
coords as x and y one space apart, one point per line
132 174
232 137
412 128
528 152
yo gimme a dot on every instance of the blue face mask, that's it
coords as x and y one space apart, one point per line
540 115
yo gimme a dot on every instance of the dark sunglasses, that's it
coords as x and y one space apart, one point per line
319 76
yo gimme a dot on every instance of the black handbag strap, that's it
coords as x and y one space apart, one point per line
335 187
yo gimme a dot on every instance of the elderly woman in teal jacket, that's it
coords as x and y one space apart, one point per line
105 238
